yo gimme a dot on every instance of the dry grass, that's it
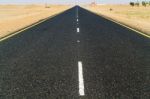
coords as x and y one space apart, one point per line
136 17
15 17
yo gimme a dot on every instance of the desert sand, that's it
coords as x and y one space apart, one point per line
16 17
135 17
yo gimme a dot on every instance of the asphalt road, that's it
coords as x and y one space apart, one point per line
75 55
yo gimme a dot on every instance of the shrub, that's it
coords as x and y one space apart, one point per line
132 4
137 4
144 3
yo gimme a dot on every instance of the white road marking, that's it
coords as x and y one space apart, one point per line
78 30
77 20
78 41
81 80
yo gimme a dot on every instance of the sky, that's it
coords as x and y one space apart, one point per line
64 1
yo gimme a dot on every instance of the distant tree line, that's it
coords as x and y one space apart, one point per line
143 3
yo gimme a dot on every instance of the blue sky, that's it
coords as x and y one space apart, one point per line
62 1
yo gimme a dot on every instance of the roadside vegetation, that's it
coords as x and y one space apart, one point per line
143 3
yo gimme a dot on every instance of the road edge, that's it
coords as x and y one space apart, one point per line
30 26
120 23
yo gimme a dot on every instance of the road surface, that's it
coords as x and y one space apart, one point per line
75 55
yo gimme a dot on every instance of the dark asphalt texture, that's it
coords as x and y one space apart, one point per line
42 62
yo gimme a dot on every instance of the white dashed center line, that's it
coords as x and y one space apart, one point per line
78 30
78 41
81 80
80 67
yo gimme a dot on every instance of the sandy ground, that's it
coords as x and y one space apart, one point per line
15 17
135 17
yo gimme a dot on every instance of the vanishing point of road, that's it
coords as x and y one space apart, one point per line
75 55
